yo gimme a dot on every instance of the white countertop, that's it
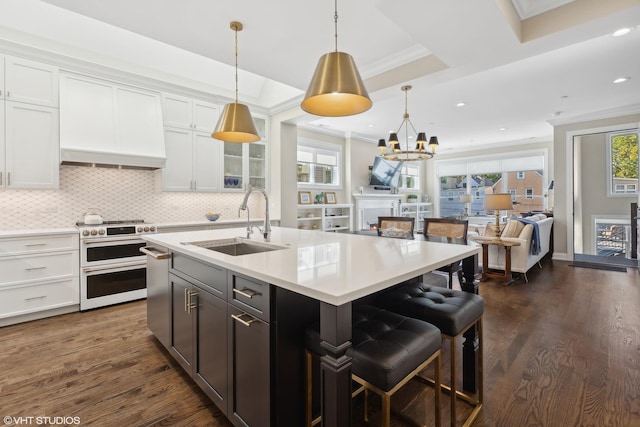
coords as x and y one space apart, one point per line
331 267
207 222
38 231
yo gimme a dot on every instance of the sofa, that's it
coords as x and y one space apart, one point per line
521 230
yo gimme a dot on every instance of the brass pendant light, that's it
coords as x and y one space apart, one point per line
336 88
235 123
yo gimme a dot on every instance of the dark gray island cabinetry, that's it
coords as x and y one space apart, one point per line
240 340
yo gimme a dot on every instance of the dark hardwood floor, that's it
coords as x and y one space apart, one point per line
562 350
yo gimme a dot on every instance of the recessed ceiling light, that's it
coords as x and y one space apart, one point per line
556 113
501 129
371 125
461 104
621 79
621 32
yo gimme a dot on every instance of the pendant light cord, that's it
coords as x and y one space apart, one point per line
335 22
236 50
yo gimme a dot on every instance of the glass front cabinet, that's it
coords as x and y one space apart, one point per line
246 163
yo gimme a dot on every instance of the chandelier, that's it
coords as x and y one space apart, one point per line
394 150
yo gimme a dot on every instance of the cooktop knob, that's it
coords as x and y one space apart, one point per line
85 233
101 231
94 232
152 229
146 229
139 229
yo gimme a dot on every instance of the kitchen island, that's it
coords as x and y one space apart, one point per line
330 269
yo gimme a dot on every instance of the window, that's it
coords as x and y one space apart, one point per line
318 166
410 177
623 163
520 174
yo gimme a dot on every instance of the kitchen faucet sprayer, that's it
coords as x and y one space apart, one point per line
266 229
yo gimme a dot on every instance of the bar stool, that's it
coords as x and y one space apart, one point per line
387 351
453 312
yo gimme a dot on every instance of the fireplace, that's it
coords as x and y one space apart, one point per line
370 206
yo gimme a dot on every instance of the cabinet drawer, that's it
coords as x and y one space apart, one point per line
26 245
26 299
214 277
33 268
249 295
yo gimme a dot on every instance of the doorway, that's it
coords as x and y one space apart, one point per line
605 184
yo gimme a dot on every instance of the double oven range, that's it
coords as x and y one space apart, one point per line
112 268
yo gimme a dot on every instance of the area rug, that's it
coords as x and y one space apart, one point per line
598 266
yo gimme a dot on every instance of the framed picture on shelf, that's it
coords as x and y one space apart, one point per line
304 197
330 198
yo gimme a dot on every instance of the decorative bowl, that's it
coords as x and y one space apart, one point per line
212 216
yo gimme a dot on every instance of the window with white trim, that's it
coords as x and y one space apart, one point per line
410 177
623 165
528 193
520 175
319 166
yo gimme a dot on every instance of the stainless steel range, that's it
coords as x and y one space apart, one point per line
112 268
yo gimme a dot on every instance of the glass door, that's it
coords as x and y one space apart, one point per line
605 168
233 165
257 165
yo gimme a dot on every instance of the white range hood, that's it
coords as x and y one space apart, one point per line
109 124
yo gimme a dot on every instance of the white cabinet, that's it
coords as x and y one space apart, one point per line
29 137
40 276
193 157
244 163
417 211
192 161
105 122
187 113
326 217
22 80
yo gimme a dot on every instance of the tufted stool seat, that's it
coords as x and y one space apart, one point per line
453 312
387 350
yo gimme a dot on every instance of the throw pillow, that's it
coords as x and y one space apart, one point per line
512 229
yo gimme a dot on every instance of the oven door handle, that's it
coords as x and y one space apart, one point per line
154 252
90 242
111 267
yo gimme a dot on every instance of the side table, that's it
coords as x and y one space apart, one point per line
486 272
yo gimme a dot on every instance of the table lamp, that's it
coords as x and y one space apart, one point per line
466 199
497 202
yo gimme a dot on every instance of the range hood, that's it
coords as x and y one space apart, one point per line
80 157
104 123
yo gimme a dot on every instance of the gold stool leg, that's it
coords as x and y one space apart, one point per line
386 410
453 380
309 392
438 403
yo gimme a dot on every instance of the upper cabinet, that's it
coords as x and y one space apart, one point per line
246 163
193 157
187 113
110 123
29 82
29 140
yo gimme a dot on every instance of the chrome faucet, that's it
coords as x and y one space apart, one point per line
266 229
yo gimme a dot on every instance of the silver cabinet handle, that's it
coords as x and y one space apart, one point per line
241 320
8 179
186 301
190 304
247 293
154 252
35 268
28 245
32 298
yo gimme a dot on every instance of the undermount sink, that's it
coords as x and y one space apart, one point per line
237 246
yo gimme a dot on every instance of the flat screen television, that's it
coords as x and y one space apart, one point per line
385 173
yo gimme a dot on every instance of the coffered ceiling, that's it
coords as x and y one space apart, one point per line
516 64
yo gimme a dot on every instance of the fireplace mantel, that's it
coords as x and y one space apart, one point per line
369 206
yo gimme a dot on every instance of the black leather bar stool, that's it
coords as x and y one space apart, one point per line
453 312
387 351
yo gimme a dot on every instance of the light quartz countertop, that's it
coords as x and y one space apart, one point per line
38 231
221 221
335 268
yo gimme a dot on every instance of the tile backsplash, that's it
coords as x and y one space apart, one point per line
116 194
